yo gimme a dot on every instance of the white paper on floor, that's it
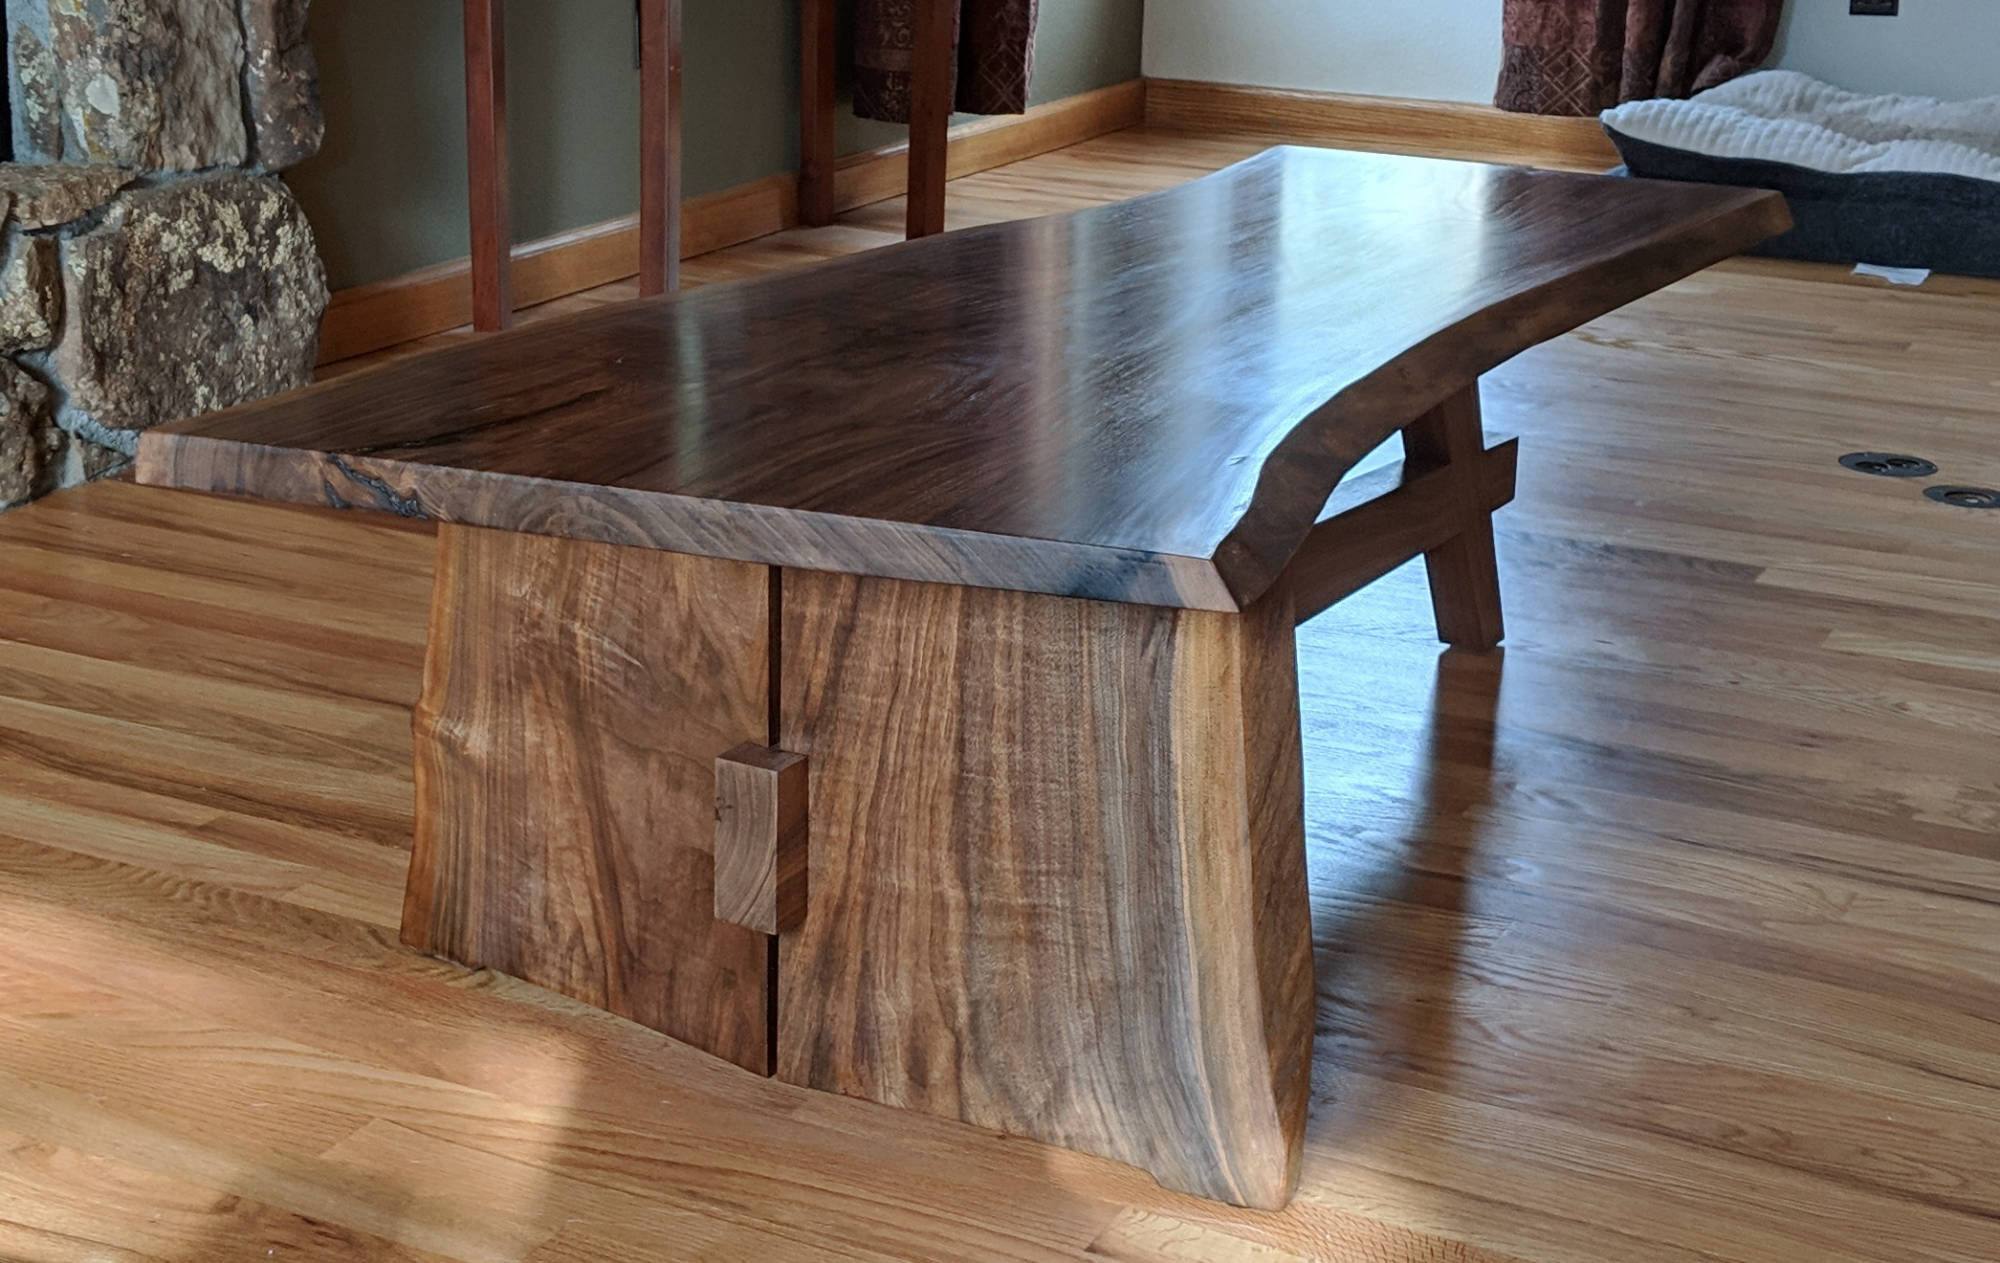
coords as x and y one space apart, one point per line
1895 276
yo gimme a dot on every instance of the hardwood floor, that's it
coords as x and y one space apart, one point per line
1671 932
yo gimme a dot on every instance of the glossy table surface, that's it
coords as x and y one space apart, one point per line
1148 401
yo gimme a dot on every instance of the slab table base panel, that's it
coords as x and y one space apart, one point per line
575 698
1057 855
1057 871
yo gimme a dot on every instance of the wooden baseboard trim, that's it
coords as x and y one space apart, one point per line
1444 129
879 174
370 317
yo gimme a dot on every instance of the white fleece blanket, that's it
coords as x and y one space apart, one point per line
1785 116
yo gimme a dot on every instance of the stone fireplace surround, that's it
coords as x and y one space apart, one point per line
152 265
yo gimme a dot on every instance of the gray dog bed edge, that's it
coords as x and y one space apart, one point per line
1947 223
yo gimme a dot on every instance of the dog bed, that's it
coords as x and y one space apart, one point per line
1902 181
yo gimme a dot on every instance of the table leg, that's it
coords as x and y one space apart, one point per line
1057 872
1465 579
575 697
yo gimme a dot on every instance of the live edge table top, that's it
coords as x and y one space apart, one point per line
1148 401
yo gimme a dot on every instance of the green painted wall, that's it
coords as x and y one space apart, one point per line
387 193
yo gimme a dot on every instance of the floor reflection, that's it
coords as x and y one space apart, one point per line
1395 787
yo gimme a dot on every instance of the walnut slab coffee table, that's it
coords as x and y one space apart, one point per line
881 674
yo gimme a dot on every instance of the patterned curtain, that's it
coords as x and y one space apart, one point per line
1583 56
996 56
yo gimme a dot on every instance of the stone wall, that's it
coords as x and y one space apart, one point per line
152 265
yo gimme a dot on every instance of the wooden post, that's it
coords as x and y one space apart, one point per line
486 164
817 46
659 146
932 73
1465 579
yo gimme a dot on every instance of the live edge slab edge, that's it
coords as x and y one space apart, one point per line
1147 401
933 608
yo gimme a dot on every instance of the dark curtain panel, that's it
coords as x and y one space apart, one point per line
996 55
1582 56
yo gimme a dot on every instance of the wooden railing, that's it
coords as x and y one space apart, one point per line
660 138
486 155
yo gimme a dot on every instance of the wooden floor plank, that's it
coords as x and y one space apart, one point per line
65 1204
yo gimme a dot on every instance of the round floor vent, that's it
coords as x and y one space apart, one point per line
1888 465
1965 497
